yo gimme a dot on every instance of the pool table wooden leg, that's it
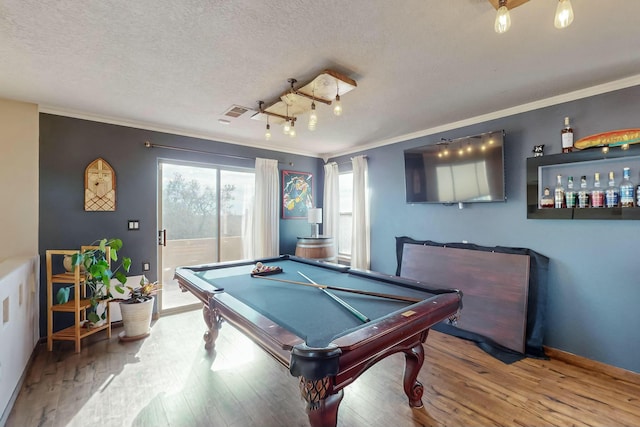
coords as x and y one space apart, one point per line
214 322
322 407
414 358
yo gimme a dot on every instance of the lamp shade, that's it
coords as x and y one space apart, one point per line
315 216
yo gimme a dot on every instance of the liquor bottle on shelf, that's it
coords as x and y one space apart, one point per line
546 201
567 137
627 199
558 194
583 193
597 193
612 193
571 195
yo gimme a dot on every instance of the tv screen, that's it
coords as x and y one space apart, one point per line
465 170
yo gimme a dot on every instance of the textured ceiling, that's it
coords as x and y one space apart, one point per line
419 64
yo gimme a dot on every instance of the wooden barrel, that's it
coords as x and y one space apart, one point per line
320 248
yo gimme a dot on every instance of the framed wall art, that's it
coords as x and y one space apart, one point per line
99 186
297 194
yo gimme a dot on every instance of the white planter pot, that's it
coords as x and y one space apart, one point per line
136 319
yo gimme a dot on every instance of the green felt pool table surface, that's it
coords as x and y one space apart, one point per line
307 311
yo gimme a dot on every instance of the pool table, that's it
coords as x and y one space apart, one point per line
321 341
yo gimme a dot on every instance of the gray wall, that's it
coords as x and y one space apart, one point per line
594 274
68 145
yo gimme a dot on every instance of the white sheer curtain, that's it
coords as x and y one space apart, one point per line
266 222
331 202
360 246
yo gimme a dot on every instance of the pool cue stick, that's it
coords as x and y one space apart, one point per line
340 301
337 288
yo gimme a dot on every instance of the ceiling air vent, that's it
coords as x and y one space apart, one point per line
235 111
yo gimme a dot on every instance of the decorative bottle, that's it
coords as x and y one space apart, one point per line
571 194
612 193
597 193
558 194
567 137
583 193
627 199
546 201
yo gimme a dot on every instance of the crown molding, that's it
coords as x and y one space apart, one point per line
535 105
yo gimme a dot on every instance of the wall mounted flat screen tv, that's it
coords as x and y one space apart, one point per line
464 170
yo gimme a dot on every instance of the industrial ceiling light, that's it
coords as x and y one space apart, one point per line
564 14
326 88
503 19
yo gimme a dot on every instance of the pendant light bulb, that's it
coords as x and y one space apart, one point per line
503 19
286 128
337 109
564 14
292 130
313 117
267 133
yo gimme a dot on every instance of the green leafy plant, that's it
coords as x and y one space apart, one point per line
144 292
98 263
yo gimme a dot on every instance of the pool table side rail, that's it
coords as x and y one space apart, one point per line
391 334
421 316
407 282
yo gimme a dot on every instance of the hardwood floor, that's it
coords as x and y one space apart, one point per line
168 379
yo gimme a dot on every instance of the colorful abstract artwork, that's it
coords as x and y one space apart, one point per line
297 194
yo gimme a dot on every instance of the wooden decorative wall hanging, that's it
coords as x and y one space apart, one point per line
99 186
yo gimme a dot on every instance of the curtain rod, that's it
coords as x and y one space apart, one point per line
192 150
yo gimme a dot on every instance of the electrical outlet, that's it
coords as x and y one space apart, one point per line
146 266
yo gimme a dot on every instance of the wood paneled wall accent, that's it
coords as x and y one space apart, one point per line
494 285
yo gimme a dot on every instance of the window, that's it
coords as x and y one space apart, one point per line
203 214
345 188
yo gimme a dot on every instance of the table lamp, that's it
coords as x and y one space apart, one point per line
314 217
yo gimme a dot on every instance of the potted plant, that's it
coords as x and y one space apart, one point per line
137 310
98 261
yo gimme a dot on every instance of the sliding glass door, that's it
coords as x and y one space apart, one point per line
203 215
